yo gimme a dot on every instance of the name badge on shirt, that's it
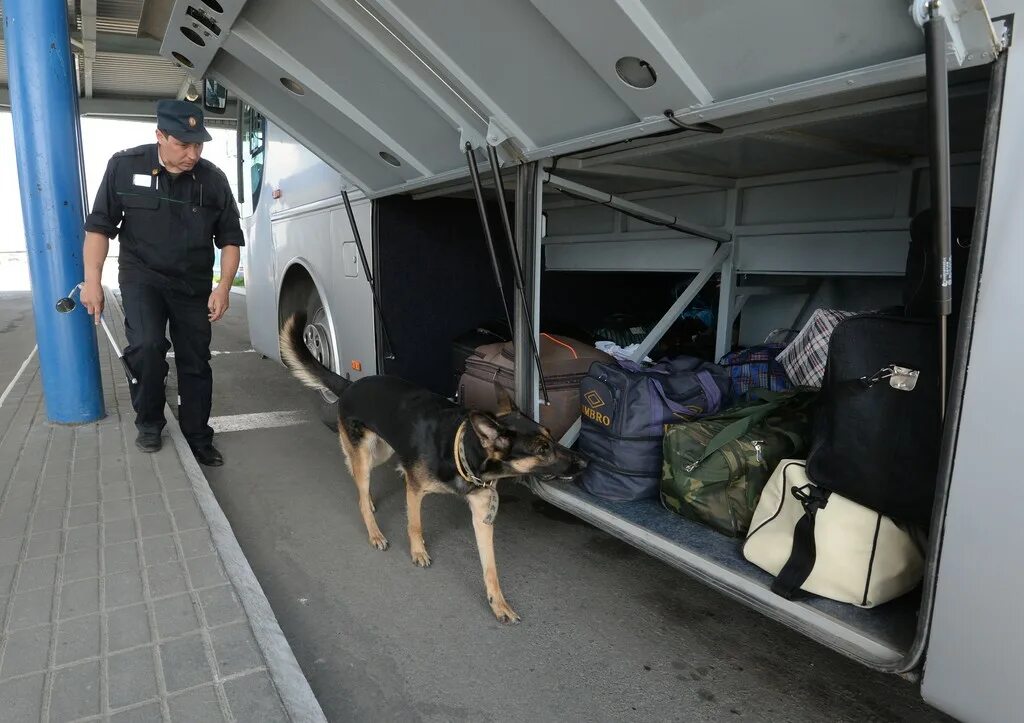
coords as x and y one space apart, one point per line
142 179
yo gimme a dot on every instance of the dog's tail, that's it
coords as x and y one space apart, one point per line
302 364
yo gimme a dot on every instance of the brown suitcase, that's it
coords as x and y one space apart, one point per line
564 361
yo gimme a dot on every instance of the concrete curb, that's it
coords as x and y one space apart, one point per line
292 685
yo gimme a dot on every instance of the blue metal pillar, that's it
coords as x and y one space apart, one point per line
44 110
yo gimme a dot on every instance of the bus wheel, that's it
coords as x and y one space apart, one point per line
318 339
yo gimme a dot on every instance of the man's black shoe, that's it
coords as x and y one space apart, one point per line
149 442
207 454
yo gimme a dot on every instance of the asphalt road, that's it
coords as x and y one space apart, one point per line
608 633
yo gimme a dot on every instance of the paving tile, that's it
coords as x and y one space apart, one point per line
150 504
196 543
236 649
159 524
7 578
13 525
116 509
76 692
116 490
81 565
132 677
31 608
160 550
206 571
189 519
177 482
200 704
78 639
175 616
220 605
128 627
182 500
166 579
148 713
44 544
22 699
83 538
85 494
80 598
254 698
36 574
121 558
123 588
145 484
118 531
84 515
185 665
47 520
10 550
27 651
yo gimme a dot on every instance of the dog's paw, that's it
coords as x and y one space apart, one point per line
420 558
378 540
504 613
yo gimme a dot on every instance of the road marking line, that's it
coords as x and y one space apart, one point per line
259 420
3 397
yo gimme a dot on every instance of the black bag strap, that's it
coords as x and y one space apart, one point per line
801 560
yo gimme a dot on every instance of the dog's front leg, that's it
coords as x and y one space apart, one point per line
480 504
414 502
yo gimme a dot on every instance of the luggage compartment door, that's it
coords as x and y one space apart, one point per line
388 91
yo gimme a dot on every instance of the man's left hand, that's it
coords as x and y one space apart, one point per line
219 303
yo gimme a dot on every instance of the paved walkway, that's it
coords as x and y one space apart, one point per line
123 594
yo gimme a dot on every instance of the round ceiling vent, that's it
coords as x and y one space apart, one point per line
635 72
293 86
193 36
214 5
389 159
182 59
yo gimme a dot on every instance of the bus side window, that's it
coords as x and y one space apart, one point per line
252 131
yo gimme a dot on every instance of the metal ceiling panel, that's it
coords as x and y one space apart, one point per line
388 91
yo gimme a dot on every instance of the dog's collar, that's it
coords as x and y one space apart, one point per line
461 463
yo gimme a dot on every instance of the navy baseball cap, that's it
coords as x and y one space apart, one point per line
183 120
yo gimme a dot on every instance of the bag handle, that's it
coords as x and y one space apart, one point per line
742 425
804 552
712 394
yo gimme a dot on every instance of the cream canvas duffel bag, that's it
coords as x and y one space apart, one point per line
817 541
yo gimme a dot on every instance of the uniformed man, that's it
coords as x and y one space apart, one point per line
169 207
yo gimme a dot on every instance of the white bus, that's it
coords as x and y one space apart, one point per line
794 134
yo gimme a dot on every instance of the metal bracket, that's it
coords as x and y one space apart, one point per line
961 18
495 133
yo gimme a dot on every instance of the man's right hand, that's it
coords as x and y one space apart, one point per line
92 300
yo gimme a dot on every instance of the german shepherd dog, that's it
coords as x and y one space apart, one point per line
440 447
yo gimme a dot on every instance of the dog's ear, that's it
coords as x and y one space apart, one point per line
492 435
505 404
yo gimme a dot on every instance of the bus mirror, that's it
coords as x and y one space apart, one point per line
215 97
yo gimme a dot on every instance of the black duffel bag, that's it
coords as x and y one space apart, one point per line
878 424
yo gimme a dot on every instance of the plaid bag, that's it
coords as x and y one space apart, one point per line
805 358
756 368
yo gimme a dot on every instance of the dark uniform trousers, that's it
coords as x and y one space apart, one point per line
148 309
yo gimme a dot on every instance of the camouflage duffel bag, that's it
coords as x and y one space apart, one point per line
715 468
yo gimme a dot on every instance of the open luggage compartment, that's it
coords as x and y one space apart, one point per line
819 211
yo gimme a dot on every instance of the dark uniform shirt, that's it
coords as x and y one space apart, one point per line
167 226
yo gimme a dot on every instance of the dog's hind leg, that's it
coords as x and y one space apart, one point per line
358 444
480 504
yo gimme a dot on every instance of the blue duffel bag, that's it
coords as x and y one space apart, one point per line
625 407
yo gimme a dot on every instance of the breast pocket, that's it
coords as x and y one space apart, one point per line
139 203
